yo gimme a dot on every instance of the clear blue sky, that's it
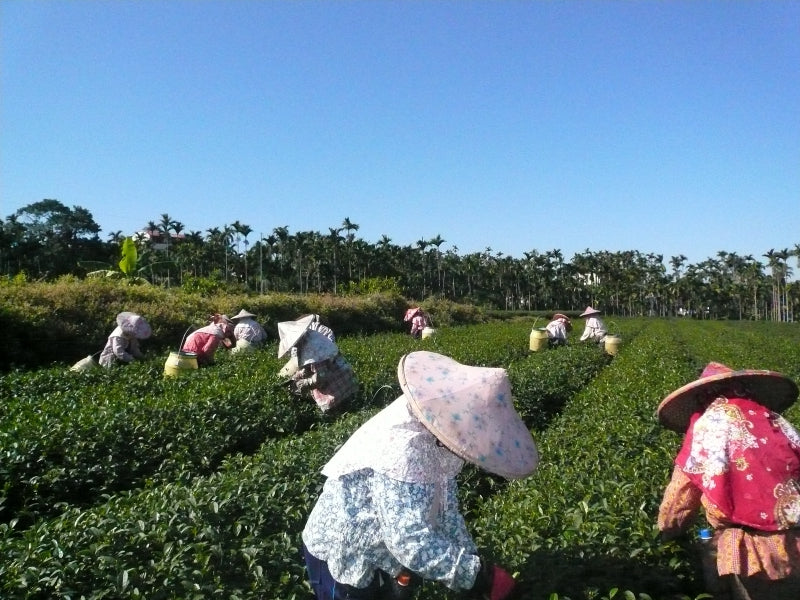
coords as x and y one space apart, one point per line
665 127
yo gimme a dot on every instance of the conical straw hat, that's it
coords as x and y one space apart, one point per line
290 333
470 410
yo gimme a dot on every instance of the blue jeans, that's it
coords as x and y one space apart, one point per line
382 587
327 588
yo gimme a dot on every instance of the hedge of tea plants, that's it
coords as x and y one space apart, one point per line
228 526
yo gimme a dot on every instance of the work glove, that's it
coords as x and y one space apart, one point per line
492 583
402 587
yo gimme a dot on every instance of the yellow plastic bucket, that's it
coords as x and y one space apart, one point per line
428 332
611 344
538 339
179 362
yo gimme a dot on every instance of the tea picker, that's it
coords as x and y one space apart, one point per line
557 330
316 367
740 464
247 332
420 323
122 346
397 473
203 342
594 328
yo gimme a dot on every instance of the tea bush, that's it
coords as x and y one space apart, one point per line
221 518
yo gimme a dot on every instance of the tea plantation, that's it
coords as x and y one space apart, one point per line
124 484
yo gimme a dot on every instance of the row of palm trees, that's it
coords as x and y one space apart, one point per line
623 282
46 239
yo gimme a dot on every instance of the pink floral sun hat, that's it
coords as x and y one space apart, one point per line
470 410
135 325
769 388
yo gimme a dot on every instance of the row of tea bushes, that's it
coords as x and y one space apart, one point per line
70 437
233 534
546 379
773 346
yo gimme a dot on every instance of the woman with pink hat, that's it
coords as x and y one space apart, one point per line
740 463
122 346
419 321
594 329
388 516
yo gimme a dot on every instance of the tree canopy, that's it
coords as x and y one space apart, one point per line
47 239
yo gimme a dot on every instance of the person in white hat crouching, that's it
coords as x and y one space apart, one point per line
594 329
315 367
247 332
122 346
388 515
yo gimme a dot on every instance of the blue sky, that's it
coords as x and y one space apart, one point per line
664 127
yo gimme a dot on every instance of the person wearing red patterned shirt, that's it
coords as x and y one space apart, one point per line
739 463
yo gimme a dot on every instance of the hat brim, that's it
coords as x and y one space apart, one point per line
589 313
290 333
509 450
772 390
243 314
135 325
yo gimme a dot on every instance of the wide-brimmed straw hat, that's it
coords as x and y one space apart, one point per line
242 314
560 316
135 325
773 390
589 312
470 410
290 333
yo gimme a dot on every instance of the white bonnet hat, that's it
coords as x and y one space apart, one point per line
135 325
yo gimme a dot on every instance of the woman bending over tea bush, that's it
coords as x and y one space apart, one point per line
388 515
740 462
316 366
122 346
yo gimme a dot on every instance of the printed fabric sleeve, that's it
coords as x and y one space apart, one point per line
312 376
119 346
679 506
134 349
438 553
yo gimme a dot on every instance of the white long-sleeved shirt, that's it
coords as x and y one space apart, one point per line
594 330
120 347
557 330
250 330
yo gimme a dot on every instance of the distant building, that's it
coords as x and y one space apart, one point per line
156 239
